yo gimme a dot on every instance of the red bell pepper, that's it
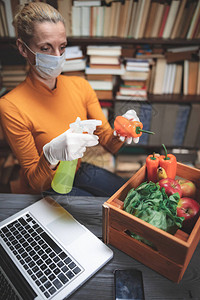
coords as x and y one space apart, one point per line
152 164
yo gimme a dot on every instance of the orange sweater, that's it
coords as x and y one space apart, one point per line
32 115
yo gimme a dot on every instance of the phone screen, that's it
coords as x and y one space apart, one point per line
128 285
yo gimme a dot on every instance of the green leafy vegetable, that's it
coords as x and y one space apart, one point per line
152 205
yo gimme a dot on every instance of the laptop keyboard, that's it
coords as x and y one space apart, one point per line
49 266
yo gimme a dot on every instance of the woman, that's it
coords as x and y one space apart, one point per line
35 116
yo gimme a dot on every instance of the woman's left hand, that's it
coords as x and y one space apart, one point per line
132 116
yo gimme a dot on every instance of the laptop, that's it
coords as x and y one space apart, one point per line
46 254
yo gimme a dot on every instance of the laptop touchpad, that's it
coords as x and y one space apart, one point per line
66 228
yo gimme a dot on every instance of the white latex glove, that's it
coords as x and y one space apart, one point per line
68 146
132 116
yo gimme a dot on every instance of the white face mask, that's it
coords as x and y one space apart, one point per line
48 66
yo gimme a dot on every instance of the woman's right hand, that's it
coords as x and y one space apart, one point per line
68 146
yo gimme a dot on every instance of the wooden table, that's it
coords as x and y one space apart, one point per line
88 211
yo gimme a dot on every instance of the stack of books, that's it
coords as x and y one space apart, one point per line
134 80
102 84
75 61
104 62
12 75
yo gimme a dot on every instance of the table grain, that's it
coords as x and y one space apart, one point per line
88 211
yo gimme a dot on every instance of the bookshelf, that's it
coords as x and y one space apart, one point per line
168 41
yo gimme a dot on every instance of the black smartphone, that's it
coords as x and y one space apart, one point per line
128 285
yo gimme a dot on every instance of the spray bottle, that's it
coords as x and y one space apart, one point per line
63 179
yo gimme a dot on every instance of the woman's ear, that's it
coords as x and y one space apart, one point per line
21 47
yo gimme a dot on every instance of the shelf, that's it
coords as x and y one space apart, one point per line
83 41
174 98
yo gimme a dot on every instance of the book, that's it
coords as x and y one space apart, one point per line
114 7
99 59
73 52
172 57
194 21
93 20
192 77
178 19
164 20
100 20
101 84
172 79
104 50
129 15
185 77
129 75
132 91
137 16
178 79
106 24
198 80
190 10
4 24
150 19
151 79
76 21
114 71
196 32
124 11
117 20
129 98
157 20
171 18
192 130
165 79
184 49
105 66
140 83
132 20
145 118
65 8
86 3
136 68
156 124
75 73
181 124
143 18
74 65
106 77
159 75
136 62
9 16
104 95
168 124
13 78
85 21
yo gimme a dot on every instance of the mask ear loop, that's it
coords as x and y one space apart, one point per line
30 51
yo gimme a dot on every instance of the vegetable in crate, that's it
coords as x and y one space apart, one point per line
169 163
152 163
161 174
152 205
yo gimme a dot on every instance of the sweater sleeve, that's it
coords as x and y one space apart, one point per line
105 132
18 133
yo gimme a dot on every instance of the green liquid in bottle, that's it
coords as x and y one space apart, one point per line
62 182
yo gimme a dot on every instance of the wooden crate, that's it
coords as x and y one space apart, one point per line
172 253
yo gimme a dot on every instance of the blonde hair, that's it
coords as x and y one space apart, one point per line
33 12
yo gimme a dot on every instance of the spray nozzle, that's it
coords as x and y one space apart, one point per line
88 126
